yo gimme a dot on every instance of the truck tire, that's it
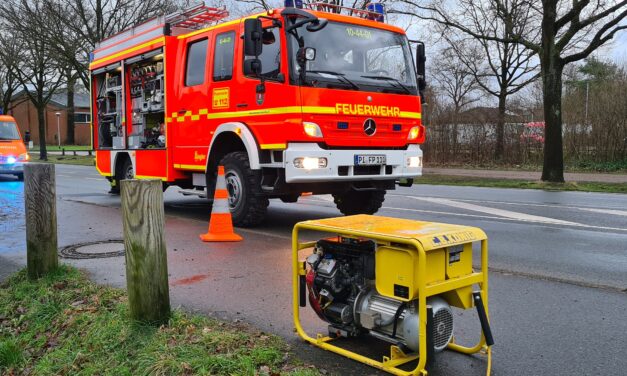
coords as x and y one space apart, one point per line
126 172
247 202
359 202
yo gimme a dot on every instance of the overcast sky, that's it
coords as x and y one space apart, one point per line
619 51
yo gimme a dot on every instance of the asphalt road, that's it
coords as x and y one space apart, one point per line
558 286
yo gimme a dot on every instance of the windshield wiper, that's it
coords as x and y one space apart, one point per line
337 74
392 79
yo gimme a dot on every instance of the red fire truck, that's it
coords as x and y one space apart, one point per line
292 100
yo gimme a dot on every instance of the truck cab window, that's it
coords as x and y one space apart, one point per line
196 58
223 56
271 55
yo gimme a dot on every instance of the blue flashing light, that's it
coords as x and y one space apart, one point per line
294 3
377 12
11 159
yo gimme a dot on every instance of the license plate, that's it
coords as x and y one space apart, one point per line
369 160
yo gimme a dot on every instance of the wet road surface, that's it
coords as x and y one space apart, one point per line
557 290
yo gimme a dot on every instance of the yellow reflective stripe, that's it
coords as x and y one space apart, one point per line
411 115
271 111
273 146
190 167
122 53
319 110
102 172
150 177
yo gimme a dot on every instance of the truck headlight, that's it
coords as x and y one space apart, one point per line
23 157
11 159
310 163
312 129
414 133
414 162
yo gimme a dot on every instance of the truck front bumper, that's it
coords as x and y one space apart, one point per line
12 168
340 164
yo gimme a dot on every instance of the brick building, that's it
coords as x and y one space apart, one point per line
25 113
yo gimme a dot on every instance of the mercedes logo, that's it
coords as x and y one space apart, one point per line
370 127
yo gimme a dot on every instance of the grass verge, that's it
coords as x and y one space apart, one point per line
434 179
65 159
66 147
64 324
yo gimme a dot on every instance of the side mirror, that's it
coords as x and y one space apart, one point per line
317 25
420 66
253 37
252 67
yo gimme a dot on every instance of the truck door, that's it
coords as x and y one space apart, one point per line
280 100
191 101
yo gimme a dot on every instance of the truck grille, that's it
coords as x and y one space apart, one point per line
364 170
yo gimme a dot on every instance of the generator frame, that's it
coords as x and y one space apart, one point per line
421 237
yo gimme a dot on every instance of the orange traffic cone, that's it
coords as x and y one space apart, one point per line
221 223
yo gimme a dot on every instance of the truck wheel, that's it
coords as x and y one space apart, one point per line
126 172
247 203
359 202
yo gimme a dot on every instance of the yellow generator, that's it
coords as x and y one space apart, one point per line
393 279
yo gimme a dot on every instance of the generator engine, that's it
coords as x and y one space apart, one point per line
340 281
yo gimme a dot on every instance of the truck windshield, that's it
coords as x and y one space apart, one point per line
8 131
353 57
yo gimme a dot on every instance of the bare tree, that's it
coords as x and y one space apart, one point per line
257 4
8 65
500 68
458 87
74 27
455 80
38 71
569 31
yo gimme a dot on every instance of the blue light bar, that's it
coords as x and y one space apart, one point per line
377 12
294 3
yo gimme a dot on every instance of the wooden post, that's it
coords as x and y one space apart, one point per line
41 219
144 241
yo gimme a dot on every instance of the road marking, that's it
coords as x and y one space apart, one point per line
514 203
606 211
584 226
494 211
496 214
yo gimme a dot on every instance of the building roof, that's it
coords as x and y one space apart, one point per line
59 98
